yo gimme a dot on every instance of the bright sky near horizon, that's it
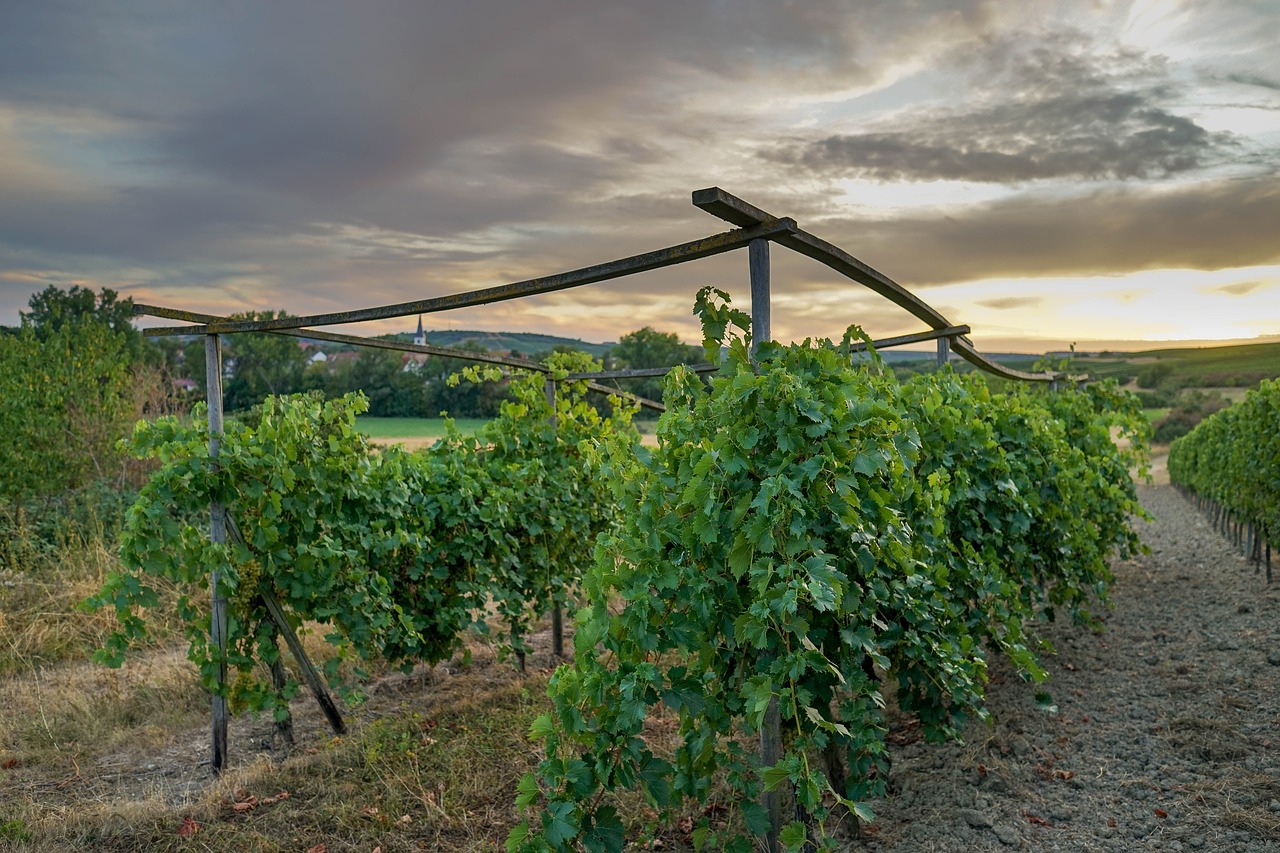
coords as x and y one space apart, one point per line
1105 172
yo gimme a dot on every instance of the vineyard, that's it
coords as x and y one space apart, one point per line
807 538
817 573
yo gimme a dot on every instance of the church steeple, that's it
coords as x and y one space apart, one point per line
420 338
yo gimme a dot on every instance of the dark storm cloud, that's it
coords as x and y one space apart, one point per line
321 98
1055 110
234 125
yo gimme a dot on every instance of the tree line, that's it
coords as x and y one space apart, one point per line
396 384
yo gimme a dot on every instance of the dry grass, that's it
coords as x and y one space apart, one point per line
1238 800
42 585
117 759
1211 739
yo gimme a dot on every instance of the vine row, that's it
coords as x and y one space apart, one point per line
394 553
1230 463
809 539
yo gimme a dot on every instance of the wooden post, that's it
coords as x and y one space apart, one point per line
771 731
758 259
217 535
944 351
557 616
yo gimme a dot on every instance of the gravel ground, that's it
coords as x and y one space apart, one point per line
1165 735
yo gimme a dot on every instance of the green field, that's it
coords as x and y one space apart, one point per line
1242 365
417 428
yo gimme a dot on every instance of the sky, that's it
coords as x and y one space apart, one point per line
1045 171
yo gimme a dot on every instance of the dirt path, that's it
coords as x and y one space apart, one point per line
1165 737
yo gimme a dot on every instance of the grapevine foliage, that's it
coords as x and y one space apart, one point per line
805 531
1233 458
546 500
395 553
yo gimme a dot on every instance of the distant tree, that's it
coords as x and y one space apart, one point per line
559 349
650 348
54 309
381 375
260 364
1189 409
1154 375
647 348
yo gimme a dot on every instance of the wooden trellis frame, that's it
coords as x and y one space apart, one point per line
754 229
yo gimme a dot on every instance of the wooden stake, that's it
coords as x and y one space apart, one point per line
217 535
557 616
279 680
310 675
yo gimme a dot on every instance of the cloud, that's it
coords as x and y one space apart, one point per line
1254 80
1047 107
1205 226
313 154
1004 303
1241 288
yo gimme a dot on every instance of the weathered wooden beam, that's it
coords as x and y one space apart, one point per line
310 674
643 402
770 755
557 616
683 253
730 208
913 338
427 349
334 337
965 350
856 346
641 372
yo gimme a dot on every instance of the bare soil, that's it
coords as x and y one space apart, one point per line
1165 731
